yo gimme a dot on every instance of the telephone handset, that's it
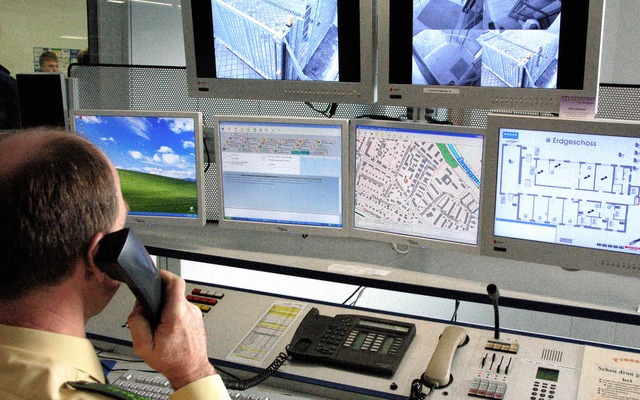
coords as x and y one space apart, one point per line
357 342
122 257
438 372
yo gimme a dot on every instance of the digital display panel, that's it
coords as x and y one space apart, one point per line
311 50
569 188
158 159
562 192
547 374
283 172
416 182
488 54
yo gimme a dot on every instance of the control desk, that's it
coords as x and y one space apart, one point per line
247 331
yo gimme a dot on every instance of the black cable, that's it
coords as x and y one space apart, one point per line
416 390
454 317
245 384
351 295
206 151
328 112
353 303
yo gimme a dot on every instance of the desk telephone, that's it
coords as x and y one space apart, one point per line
363 343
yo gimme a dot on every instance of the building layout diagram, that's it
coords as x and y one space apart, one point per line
423 185
574 189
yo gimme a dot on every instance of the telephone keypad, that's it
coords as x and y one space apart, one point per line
366 344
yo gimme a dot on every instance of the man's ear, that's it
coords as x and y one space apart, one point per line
90 255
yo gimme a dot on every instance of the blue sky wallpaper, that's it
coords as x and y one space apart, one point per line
153 145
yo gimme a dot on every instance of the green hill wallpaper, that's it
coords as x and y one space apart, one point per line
154 193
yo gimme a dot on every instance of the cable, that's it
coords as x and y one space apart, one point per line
416 390
351 295
245 384
353 303
328 112
454 317
206 151
398 250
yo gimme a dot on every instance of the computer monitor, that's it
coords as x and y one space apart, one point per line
43 99
416 183
159 158
313 50
492 54
283 174
563 192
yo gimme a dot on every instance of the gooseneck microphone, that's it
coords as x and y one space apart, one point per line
493 292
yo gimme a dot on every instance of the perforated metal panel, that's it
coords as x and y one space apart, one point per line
619 102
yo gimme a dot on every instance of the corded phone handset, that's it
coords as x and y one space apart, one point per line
354 341
438 372
123 258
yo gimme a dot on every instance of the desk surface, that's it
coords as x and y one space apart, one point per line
423 271
238 313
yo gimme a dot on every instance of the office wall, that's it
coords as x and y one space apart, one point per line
620 61
156 34
25 24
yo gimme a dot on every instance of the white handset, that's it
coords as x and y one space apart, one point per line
438 371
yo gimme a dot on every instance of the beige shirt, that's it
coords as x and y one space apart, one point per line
36 364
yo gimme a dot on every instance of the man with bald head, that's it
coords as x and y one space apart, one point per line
60 196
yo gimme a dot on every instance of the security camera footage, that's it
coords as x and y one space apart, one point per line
496 43
277 39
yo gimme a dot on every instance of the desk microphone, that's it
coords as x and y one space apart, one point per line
494 293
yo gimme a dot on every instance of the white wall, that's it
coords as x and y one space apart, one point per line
620 61
25 24
156 34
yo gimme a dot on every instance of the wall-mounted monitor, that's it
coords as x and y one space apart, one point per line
159 158
563 192
491 54
416 184
311 50
43 99
283 174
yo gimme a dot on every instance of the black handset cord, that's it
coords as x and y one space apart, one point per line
236 384
416 390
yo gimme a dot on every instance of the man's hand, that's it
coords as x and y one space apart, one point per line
178 346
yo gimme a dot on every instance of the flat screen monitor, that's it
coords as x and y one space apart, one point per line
159 158
283 174
311 50
43 99
563 192
416 183
491 54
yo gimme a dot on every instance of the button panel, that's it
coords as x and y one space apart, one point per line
204 299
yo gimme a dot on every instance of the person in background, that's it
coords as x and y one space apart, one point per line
60 196
49 62
83 56
9 104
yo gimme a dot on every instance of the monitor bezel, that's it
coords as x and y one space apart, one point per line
482 97
292 229
398 238
150 220
199 85
566 257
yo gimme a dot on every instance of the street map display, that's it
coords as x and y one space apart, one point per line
418 182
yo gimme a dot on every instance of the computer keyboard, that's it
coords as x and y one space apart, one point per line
147 384
156 386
